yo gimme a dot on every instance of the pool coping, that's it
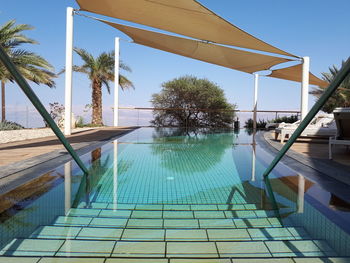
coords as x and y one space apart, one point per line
22 172
302 163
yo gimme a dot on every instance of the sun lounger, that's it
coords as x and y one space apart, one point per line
273 125
342 120
322 125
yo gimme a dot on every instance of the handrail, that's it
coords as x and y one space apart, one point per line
6 60
338 79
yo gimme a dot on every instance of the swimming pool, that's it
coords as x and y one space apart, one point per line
172 187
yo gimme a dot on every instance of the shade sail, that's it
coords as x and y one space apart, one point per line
184 17
294 73
224 56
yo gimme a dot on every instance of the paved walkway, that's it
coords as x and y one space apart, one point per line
22 150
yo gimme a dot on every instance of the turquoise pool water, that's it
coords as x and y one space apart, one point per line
190 170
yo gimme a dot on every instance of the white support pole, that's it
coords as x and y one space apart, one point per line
115 175
304 107
256 79
116 84
69 65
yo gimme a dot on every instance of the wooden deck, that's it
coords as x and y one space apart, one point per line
21 150
318 148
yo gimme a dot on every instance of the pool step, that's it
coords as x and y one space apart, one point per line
167 214
167 223
170 249
151 233
175 260
176 207
218 234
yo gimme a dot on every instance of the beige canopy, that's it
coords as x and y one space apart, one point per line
184 17
227 57
294 73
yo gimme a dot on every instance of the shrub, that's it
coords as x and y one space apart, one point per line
286 119
9 125
259 124
80 122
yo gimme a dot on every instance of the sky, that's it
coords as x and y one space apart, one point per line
314 28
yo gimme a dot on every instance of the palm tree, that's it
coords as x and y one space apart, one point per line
100 71
341 97
32 66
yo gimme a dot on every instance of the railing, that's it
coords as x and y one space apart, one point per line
141 116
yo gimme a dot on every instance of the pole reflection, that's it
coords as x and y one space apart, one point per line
115 174
67 187
301 192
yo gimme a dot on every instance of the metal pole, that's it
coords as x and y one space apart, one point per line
5 59
68 73
116 83
342 74
304 104
256 79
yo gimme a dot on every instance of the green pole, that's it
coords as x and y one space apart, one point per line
5 59
342 74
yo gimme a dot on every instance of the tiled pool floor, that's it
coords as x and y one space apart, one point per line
112 233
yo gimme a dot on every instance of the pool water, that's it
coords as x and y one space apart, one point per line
170 194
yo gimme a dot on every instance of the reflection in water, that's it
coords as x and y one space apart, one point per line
174 146
301 192
90 184
337 203
115 174
253 156
67 186
292 188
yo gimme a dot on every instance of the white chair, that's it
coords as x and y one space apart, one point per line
342 120
322 125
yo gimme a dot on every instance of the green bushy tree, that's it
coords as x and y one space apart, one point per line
191 102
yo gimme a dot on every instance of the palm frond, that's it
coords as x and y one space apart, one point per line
125 83
11 35
32 66
125 67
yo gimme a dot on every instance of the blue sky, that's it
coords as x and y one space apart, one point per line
318 29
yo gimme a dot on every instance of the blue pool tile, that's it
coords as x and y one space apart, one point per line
72 221
115 213
31 247
100 233
243 249
56 232
80 248
109 222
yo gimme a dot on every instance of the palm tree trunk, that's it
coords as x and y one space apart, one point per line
97 103
3 111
